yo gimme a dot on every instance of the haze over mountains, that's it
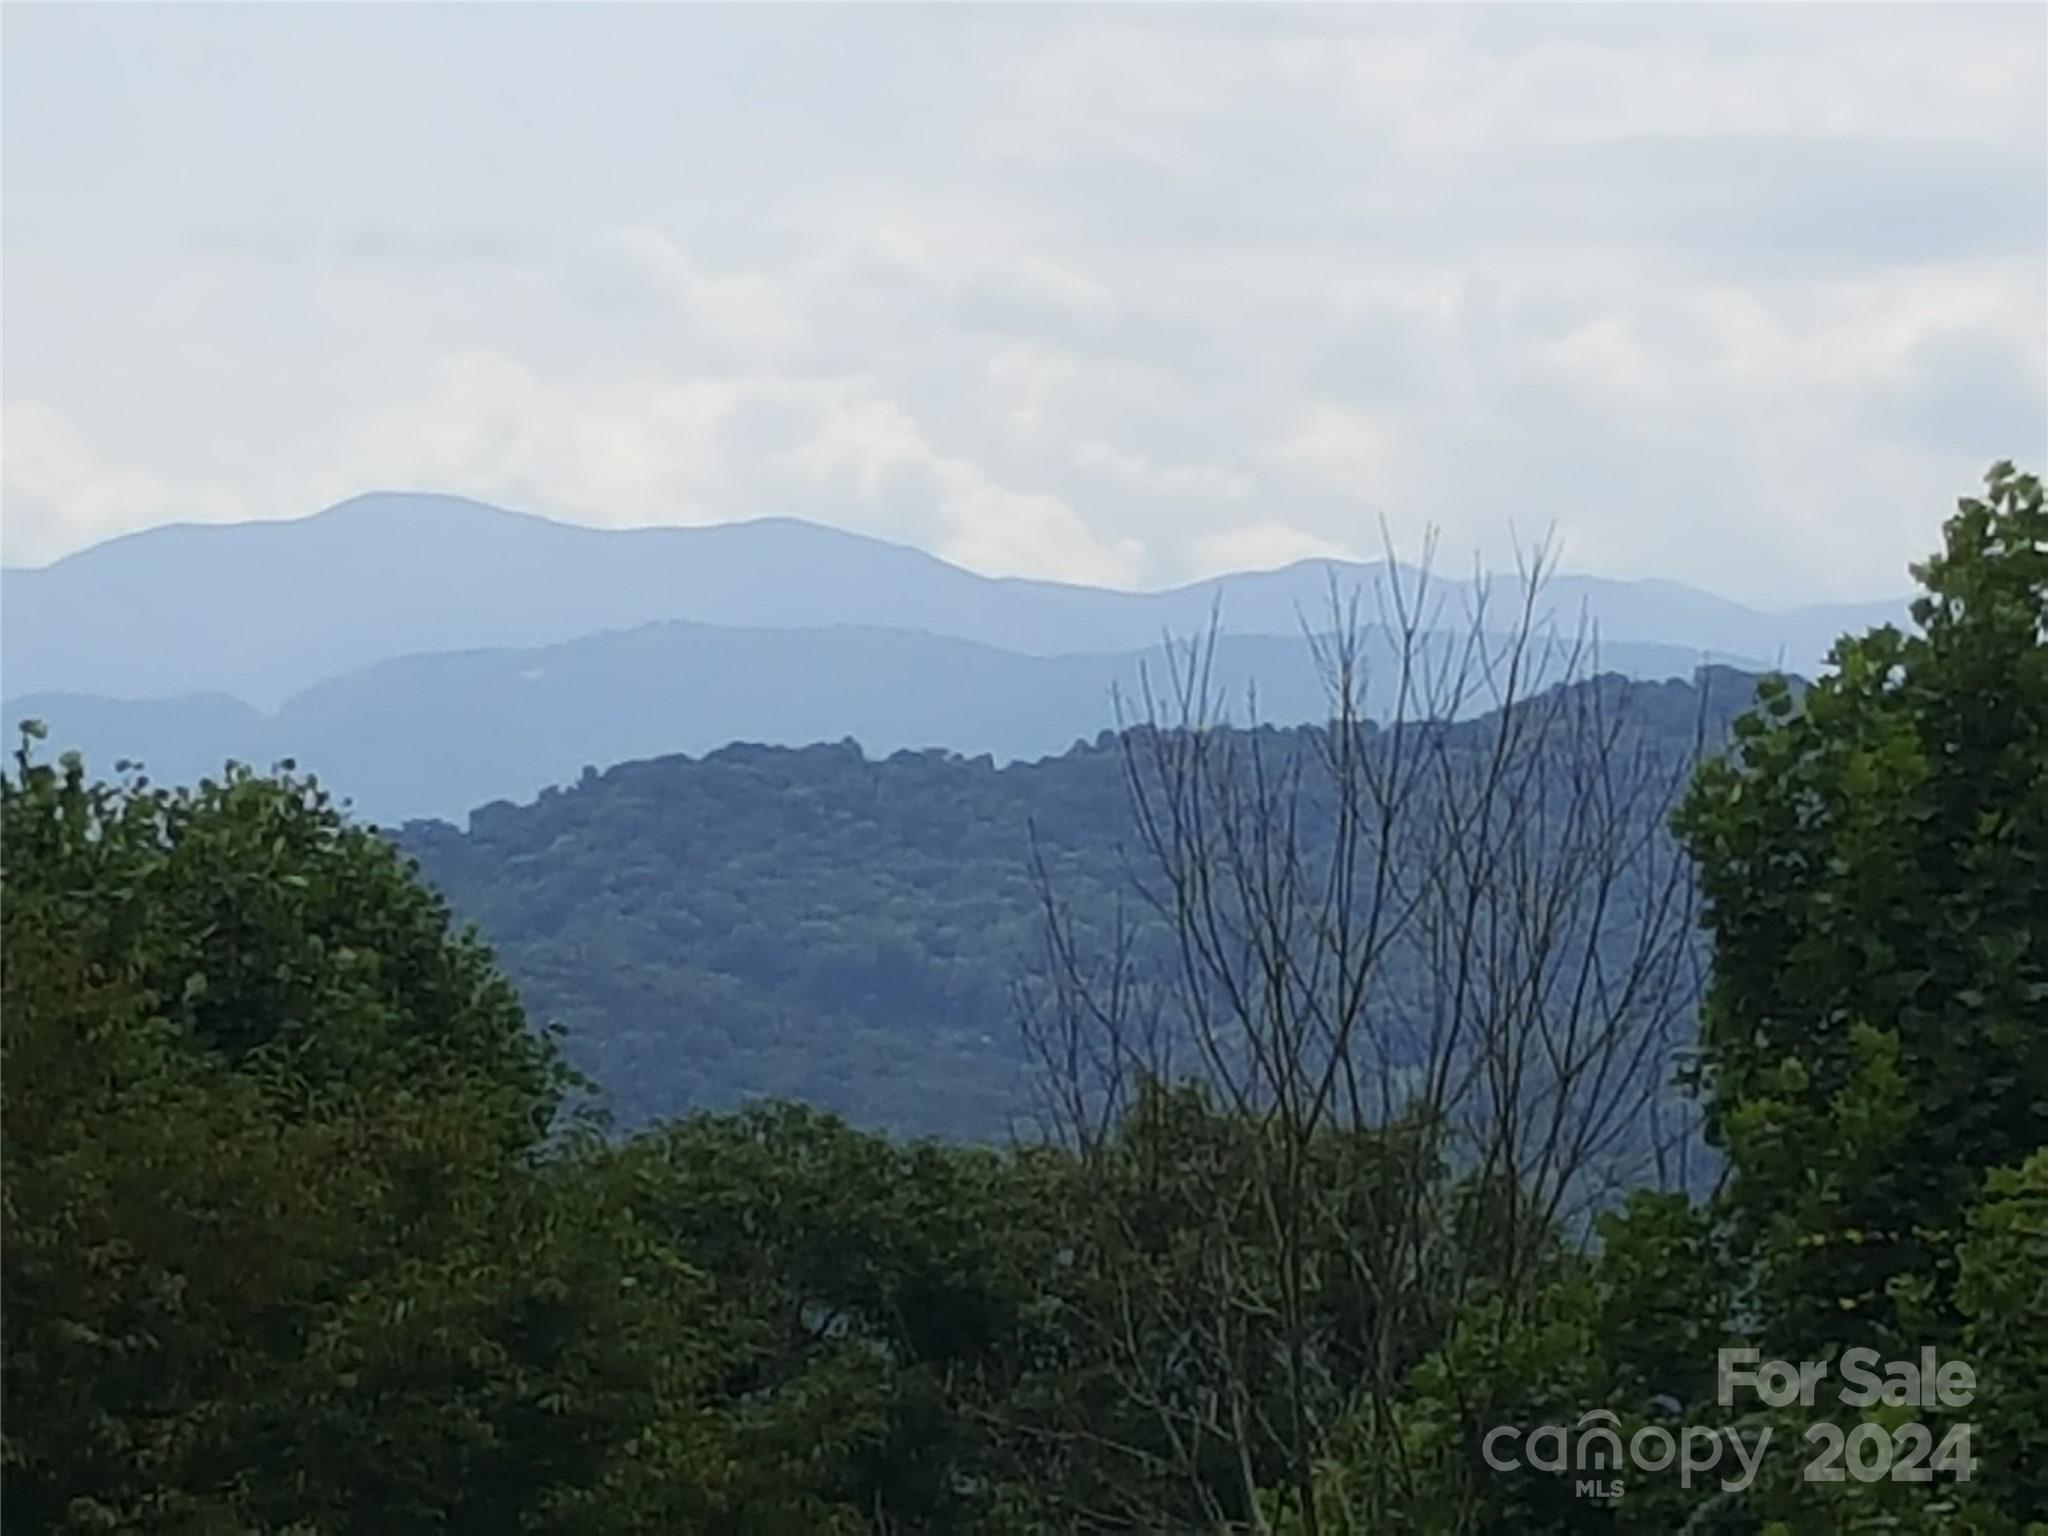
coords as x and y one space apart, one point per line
425 654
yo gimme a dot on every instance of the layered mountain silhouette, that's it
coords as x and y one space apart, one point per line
439 734
427 653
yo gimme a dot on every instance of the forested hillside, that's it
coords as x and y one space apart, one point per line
815 924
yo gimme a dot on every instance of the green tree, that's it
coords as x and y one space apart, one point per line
1874 855
2002 1293
870 1300
253 917
282 1252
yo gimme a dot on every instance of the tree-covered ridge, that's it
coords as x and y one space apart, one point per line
810 923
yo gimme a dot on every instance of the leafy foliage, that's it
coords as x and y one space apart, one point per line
283 1249
1875 859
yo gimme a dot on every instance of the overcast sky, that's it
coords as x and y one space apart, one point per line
1743 296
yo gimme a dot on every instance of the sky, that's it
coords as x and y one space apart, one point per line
1743 296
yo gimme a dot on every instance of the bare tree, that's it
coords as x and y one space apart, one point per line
1431 963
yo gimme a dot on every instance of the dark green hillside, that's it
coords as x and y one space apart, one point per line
795 922
809 923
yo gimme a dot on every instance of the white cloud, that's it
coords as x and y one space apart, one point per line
1000 531
1168 482
1016 294
744 316
1352 453
862 444
874 448
1263 546
62 492
836 449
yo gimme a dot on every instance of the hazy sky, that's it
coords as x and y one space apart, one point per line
1743 296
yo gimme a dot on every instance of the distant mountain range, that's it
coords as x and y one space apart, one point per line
439 734
427 653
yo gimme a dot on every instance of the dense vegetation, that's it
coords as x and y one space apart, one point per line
812 924
302 1233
